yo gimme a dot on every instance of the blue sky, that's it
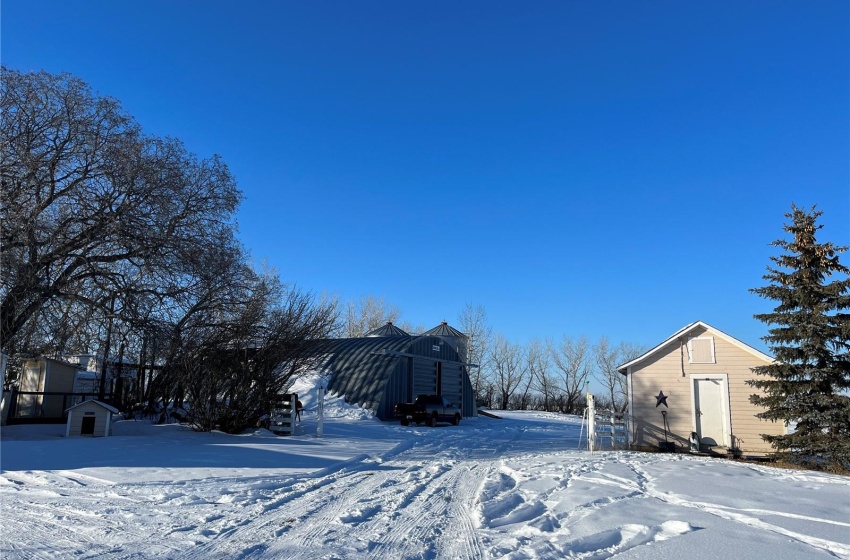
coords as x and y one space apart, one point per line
577 168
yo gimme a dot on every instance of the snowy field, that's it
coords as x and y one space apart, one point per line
511 488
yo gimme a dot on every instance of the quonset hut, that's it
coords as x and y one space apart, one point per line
389 366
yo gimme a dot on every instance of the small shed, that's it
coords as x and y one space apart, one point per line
39 378
691 390
90 418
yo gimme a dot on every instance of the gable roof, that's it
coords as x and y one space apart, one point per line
53 360
111 409
684 331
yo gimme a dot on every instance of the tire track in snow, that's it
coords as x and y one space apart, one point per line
440 494
376 510
90 511
277 514
345 510
77 536
406 519
272 513
436 518
462 541
281 509
376 499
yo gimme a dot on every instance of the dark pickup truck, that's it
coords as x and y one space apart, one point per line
428 408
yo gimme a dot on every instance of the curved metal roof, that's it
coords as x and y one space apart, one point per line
444 329
362 367
359 370
387 330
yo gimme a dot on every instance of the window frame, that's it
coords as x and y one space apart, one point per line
710 339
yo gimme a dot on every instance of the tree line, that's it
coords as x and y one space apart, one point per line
543 374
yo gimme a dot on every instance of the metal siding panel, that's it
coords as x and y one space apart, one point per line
452 380
470 407
395 391
424 346
410 394
424 376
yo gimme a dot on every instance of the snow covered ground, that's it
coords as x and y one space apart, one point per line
513 488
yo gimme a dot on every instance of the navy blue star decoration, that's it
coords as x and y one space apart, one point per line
661 399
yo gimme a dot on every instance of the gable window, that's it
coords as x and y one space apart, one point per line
701 350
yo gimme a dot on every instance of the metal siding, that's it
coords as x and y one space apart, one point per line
409 396
470 407
452 379
395 391
360 374
424 376
452 336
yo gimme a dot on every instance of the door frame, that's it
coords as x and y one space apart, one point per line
725 414
84 421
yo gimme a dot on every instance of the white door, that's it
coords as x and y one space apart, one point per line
709 395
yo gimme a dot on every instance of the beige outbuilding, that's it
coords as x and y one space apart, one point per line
42 384
691 392
90 418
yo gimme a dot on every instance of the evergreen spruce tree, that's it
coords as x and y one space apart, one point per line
808 383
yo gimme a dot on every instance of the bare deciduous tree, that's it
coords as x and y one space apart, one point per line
507 363
571 360
92 206
539 359
237 345
367 314
607 357
474 324
111 238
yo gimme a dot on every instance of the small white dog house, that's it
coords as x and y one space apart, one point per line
90 418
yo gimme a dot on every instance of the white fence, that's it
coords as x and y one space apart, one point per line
604 427
610 430
282 418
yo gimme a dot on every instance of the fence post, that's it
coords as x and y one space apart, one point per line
627 430
591 422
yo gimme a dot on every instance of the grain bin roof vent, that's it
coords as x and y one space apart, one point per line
444 329
387 330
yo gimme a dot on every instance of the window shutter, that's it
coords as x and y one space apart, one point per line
701 350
